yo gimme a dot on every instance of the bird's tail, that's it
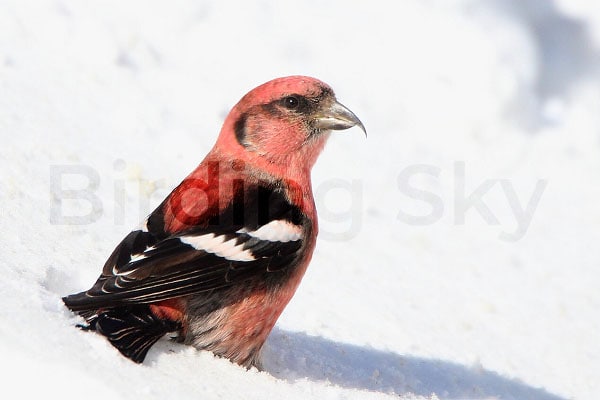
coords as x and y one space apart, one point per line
131 329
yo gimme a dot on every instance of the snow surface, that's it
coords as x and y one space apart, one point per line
416 290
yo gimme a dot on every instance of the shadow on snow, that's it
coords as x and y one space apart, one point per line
293 355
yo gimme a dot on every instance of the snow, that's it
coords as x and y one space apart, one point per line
458 254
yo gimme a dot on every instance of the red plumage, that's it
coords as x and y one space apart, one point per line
223 254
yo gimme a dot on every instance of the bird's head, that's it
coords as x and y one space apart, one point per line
283 124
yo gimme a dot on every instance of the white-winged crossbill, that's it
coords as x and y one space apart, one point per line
223 254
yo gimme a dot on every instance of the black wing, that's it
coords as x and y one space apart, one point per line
259 233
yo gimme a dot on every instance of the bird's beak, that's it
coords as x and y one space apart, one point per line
337 117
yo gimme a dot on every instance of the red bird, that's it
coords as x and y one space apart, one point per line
223 254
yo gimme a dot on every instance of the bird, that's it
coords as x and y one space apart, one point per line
215 264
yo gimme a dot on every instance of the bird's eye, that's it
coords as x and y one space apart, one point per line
291 102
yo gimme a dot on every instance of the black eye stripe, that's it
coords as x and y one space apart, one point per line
294 103
297 103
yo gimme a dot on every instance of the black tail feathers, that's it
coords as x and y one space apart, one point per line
132 330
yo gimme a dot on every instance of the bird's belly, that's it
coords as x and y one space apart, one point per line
238 328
